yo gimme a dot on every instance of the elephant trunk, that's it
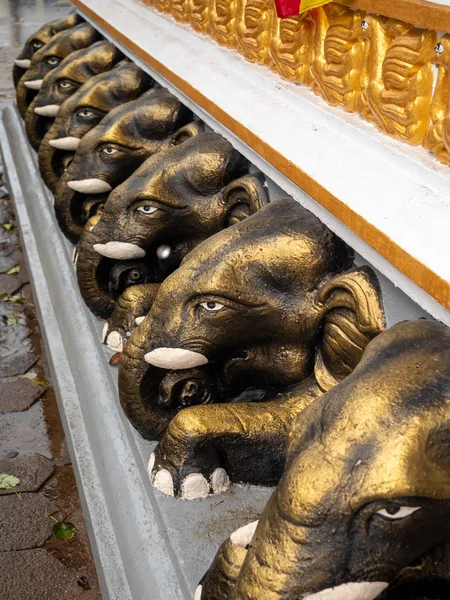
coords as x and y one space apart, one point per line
50 159
36 126
97 300
24 96
138 388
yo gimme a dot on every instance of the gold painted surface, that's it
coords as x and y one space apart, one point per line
198 14
399 76
222 21
338 53
179 10
161 5
254 29
437 139
292 48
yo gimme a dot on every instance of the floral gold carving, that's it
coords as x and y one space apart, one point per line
179 10
222 21
292 49
338 55
198 15
438 136
254 28
393 73
400 76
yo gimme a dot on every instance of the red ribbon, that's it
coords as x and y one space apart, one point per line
287 8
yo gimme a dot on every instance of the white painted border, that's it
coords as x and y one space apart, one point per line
401 190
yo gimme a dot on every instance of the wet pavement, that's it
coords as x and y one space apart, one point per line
35 563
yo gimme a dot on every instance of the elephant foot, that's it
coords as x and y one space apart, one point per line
180 482
129 312
219 583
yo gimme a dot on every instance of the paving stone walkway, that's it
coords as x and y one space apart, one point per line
34 564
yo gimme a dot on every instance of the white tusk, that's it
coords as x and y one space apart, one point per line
23 63
138 320
175 358
114 341
65 143
361 590
198 593
35 84
89 186
119 250
104 332
243 536
51 110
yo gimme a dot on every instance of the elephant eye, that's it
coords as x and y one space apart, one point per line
109 151
65 84
53 61
212 306
147 209
36 45
397 512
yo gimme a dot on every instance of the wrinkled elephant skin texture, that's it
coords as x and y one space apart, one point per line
174 201
36 41
364 503
113 150
61 83
275 313
83 111
49 57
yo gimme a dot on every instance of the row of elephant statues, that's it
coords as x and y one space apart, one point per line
253 348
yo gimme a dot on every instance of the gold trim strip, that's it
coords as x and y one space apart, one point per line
423 276
417 12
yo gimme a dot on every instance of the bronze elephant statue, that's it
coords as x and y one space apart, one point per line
61 83
49 57
258 322
113 150
363 508
39 39
173 202
83 111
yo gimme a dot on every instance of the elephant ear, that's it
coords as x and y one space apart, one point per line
186 133
243 197
353 314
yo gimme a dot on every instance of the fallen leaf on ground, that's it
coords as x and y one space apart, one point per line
8 226
30 375
13 270
8 482
41 382
12 320
64 531
115 358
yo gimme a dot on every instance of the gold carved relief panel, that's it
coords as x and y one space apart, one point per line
292 47
338 51
179 10
254 29
394 74
437 139
198 14
222 21
399 76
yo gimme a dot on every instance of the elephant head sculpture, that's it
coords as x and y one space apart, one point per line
113 150
36 41
174 201
83 111
49 57
273 312
61 83
363 508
